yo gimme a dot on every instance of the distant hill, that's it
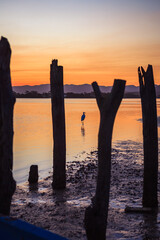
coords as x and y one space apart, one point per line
71 88
43 88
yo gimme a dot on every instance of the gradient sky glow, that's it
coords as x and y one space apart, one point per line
95 40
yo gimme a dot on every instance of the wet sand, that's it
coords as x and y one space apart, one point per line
63 211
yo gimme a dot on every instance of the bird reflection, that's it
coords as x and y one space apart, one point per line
83 130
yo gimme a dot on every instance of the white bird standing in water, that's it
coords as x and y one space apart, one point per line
83 117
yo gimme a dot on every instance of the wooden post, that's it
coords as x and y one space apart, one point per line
150 137
58 117
33 174
7 100
96 214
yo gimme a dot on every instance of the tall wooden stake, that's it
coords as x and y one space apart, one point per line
96 214
150 136
7 100
58 117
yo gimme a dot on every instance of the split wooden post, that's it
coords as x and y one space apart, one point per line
96 214
7 101
150 137
58 119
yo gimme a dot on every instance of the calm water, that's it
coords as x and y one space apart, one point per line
33 131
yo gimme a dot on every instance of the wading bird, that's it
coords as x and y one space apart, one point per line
83 117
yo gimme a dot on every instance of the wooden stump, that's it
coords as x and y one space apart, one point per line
150 137
7 100
58 117
33 174
96 214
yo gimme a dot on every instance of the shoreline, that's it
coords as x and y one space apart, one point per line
63 211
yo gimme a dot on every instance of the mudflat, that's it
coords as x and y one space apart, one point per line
63 211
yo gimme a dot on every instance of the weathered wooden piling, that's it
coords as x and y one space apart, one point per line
58 119
33 174
96 214
7 101
150 137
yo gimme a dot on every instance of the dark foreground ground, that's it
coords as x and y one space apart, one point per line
63 211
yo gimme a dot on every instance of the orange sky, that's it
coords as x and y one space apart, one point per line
93 40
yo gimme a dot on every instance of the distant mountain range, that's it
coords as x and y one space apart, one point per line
85 88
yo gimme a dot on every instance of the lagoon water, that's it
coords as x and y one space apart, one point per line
33 139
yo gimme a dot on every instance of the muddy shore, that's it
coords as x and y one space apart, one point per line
63 211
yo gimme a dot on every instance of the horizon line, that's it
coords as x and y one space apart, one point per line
70 84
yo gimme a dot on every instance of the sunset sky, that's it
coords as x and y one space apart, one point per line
94 40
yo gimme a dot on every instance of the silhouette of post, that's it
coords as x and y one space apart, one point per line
96 214
7 101
58 118
33 174
150 136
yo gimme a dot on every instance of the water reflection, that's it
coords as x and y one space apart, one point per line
33 140
83 130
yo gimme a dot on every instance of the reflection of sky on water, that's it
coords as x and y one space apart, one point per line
33 140
83 130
